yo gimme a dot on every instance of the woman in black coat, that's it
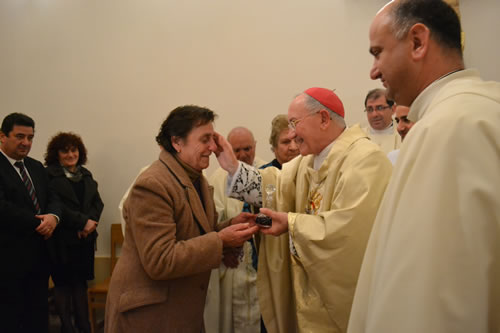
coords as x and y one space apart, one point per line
75 236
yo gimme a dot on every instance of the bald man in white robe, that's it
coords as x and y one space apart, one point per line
433 260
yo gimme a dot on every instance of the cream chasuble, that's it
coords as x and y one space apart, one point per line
433 260
330 219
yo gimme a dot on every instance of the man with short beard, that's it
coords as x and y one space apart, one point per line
433 260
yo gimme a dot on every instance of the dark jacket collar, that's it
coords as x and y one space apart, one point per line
56 170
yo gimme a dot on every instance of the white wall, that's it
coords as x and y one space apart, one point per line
482 31
112 70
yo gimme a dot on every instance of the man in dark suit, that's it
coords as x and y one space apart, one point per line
28 216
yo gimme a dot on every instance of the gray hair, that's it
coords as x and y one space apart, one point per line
312 105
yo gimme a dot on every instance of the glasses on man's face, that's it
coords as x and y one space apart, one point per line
370 109
292 123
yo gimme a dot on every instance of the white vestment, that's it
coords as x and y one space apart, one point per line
433 260
388 139
232 305
393 156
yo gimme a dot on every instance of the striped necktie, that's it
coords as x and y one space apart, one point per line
29 185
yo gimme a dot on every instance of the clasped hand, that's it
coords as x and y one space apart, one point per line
241 229
90 226
48 223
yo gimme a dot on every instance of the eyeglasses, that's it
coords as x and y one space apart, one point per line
292 124
370 109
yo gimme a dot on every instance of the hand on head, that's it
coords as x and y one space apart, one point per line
225 155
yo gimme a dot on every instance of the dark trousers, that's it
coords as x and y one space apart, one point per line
73 296
24 304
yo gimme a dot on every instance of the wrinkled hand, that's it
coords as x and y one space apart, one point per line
280 222
225 154
244 217
48 224
90 226
236 235
231 256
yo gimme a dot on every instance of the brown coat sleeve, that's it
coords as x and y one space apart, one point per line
167 237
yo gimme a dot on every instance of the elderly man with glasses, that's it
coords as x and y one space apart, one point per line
379 112
325 203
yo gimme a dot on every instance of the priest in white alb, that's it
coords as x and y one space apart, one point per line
379 113
433 260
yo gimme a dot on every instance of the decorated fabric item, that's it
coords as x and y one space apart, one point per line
246 184
314 199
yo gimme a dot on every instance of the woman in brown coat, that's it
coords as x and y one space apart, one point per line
171 242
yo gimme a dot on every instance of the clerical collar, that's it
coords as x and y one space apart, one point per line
388 130
457 70
320 158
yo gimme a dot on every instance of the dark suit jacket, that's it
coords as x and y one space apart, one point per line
77 253
22 249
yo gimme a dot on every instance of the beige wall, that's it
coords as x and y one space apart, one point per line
112 70
481 26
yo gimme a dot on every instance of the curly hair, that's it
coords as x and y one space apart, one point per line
180 122
63 141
